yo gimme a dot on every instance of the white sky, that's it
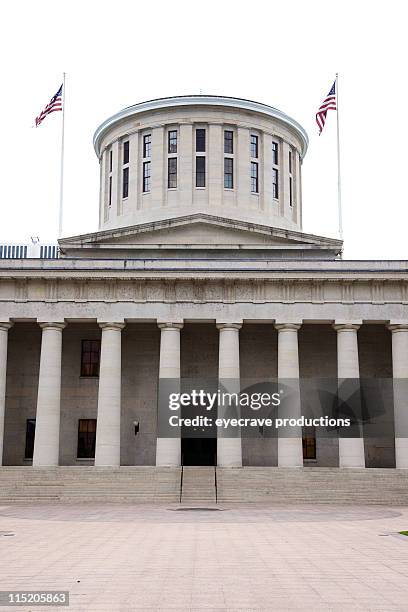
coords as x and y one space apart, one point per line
284 54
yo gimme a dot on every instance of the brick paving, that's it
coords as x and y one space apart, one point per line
252 558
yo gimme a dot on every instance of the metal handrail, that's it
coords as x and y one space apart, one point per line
181 478
215 484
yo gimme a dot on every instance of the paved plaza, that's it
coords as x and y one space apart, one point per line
123 557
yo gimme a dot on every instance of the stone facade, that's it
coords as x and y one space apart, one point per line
192 284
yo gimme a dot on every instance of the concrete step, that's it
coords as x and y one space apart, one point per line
198 485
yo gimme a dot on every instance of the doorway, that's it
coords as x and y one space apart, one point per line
199 451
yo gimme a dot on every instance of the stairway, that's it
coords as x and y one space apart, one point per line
88 483
313 485
199 485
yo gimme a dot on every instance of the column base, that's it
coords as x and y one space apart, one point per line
351 453
168 452
229 452
107 456
290 452
401 453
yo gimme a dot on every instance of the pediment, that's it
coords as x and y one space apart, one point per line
201 233
198 231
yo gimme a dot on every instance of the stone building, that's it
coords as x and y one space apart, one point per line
199 268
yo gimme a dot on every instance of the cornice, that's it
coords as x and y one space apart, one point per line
199 100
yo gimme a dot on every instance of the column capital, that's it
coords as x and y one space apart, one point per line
233 326
170 325
5 325
393 327
58 326
343 326
112 325
281 327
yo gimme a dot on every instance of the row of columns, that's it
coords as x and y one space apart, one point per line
46 445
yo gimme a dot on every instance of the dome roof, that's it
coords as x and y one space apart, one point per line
200 100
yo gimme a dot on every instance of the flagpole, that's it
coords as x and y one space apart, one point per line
61 202
338 162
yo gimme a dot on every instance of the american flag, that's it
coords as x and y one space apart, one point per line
329 103
55 104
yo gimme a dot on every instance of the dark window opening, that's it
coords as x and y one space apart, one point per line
275 183
110 191
90 357
254 177
86 438
172 173
200 171
126 152
290 191
254 146
29 439
172 148
309 447
200 141
229 142
146 177
125 183
275 154
228 173
110 160
290 161
147 145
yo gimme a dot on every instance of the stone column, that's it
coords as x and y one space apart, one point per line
229 449
168 450
4 327
107 451
351 450
400 374
290 452
186 160
47 426
158 171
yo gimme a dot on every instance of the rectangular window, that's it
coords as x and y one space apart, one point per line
86 438
110 191
254 177
275 154
200 141
146 177
172 173
228 142
126 152
200 171
125 183
309 447
290 191
290 161
254 146
275 183
90 353
147 145
172 148
110 161
29 440
228 173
